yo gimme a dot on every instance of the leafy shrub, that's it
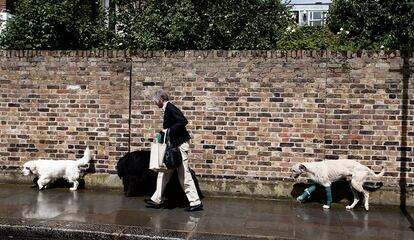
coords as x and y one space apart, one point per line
205 24
314 38
202 24
306 38
49 24
374 24
243 24
161 24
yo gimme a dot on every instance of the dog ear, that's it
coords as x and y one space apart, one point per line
302 168
33 167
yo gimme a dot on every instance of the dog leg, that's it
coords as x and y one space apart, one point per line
125 182
306 194
358 186
356 197
35 185
75 185
41 182
366 200
328 197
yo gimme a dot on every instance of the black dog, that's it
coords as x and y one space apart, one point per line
139 180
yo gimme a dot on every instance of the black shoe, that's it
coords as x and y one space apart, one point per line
152 204
198 207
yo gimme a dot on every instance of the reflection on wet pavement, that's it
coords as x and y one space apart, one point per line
47 206
228 216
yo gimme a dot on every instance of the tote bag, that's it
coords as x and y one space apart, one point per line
157 156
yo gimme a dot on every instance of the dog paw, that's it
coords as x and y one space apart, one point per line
300 199
348 207
73 189
366 208
326 207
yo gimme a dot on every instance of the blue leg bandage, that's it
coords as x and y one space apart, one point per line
306 194
328 196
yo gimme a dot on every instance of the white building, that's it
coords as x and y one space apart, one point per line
4 16
5 6
310 12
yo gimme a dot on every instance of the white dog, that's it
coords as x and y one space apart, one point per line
326 172
50 170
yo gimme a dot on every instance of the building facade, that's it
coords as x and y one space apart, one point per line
5 13
310 12
5 5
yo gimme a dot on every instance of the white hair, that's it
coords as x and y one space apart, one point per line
161 95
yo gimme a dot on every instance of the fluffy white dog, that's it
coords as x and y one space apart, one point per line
50 170
326 172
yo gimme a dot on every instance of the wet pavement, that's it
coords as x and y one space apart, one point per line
26 213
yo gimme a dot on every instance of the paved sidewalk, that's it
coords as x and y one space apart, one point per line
26 213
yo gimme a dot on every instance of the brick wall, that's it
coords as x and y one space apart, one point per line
5 5
252 113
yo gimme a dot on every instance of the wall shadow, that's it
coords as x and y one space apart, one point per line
404 148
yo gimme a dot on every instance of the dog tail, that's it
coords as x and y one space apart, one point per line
379 174
85 159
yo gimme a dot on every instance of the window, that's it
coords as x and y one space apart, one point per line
317 15
317 18
105 3
295 16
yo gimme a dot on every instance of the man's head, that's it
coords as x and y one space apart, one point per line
160 97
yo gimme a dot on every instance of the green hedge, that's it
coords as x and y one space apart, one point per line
48 24
374 24
206 24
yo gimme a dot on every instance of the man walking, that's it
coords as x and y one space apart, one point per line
175 122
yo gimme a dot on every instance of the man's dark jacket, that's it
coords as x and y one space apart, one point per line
176 122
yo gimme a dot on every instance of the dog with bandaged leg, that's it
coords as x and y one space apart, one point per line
327 172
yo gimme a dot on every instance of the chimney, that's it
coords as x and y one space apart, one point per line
5 5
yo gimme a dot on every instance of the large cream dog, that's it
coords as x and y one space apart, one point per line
327 172
50 170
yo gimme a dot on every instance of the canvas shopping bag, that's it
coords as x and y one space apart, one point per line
157 156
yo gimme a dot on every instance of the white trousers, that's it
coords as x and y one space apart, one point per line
184 177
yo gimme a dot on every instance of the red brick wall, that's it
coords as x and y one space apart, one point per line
5 5
252 113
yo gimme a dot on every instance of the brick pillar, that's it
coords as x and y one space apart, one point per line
5 5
